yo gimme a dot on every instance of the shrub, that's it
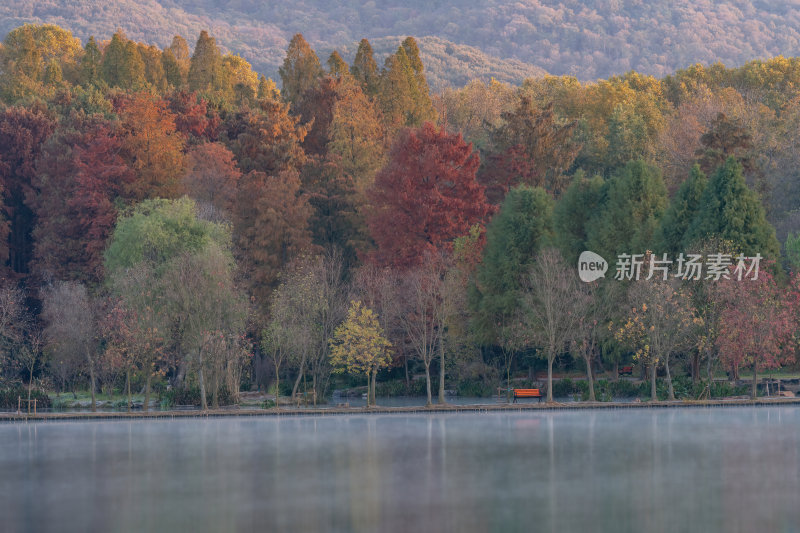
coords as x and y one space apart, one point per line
9 396
191 396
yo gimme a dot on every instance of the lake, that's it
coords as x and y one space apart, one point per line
699 469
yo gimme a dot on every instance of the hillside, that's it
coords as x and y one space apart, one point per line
591 39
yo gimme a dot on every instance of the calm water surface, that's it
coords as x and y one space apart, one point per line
726 469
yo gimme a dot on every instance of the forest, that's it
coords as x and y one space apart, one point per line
586 39
176 225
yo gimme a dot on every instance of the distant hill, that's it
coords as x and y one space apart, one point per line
460 38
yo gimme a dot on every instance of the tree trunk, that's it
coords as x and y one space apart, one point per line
215 394
550 358
670 390
695 367
428 384
441 370
408 379
369 382
653 395
300 378
147 391
372 388
30 385
203 399
128 387
754 393
91 379
314 388
590 378
616 371
277 386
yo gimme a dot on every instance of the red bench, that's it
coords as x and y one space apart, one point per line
527 393
625 370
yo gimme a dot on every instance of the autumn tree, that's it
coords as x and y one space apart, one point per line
364 69
357 136
425 197
122 65
152 148
300 71
91 64
212 178
422 314
22 134
270 226
266 139
71 326
80 174
548 300
756 325
205 67
29 56
186 268
660 323
531 146
358 345
404 95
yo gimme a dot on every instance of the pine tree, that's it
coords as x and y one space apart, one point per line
635 201
681 212
514 236
571 215
731 211
300 71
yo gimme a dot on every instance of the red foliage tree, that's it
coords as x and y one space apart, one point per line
152 147
212 175
193 116
270 227
756 325
79 176
425 197
22 134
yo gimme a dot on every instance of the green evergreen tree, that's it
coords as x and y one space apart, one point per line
730 210
205 67
679 215
571 214
364 68
513 237
300 71
635 199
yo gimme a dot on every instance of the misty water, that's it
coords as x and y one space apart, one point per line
715 469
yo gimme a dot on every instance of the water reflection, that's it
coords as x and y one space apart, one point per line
643 470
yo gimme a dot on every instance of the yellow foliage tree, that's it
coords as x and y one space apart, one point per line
359 346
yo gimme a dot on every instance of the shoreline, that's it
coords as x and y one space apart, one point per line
436 408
